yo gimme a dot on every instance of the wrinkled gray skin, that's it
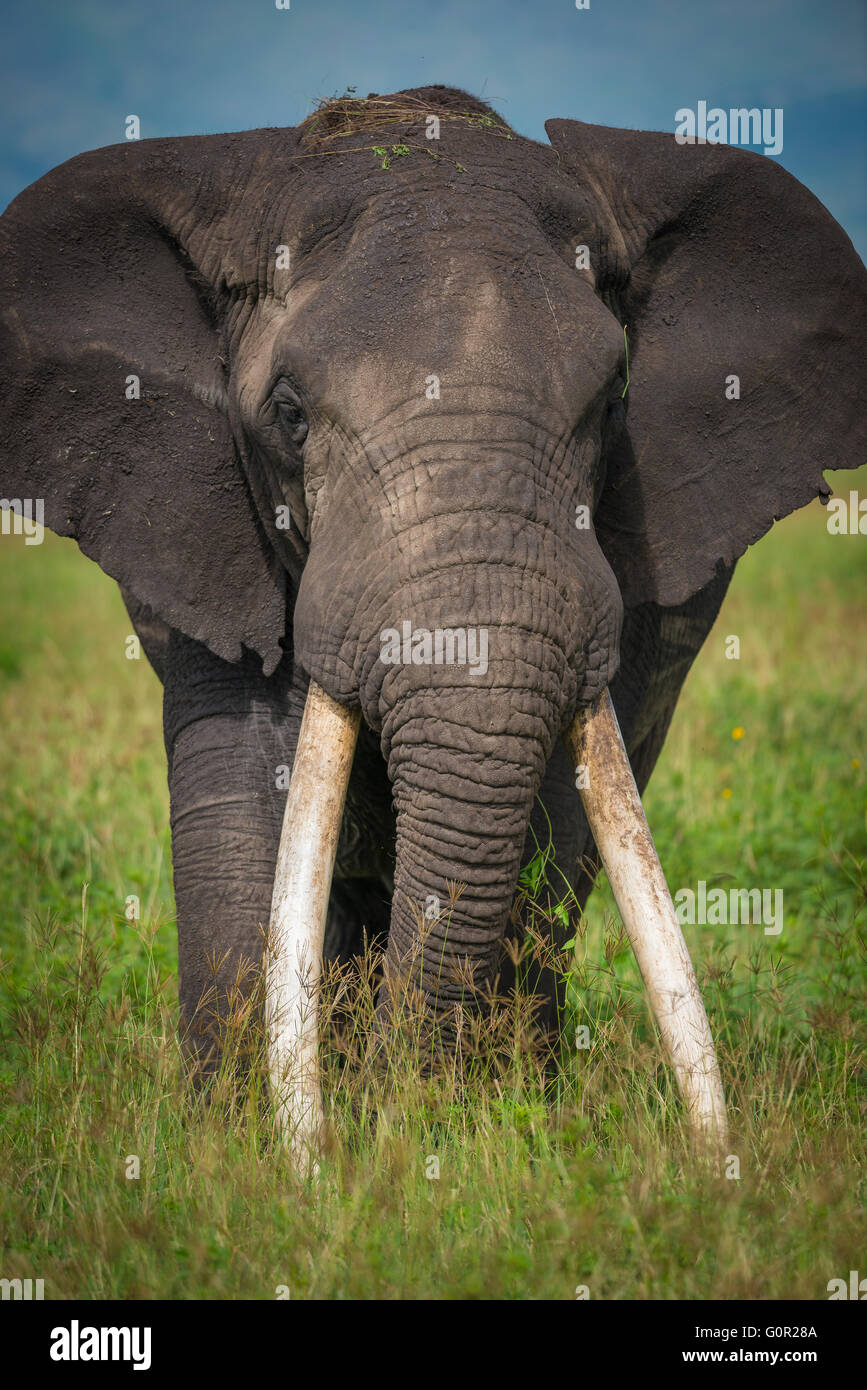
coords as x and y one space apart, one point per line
160 259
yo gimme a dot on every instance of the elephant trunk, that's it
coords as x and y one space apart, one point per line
463 790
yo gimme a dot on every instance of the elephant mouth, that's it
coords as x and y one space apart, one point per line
302 884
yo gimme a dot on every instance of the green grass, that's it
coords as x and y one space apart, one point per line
544 1184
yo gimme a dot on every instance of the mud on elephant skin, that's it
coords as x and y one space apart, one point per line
381 384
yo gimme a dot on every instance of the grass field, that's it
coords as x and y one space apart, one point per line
544 1187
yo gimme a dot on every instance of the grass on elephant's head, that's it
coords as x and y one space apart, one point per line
347 115
115 1181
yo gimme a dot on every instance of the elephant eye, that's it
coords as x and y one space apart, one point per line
291 414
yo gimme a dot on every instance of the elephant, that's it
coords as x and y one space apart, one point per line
422 453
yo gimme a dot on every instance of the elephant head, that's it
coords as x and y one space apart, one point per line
429 413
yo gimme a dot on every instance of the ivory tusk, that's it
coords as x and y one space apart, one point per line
302 883
616 817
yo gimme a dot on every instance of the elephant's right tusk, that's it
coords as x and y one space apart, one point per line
302 883
616 817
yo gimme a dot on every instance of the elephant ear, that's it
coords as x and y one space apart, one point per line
110 273
734 270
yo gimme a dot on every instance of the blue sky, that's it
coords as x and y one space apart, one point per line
71 72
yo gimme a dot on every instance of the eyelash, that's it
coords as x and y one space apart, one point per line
291 414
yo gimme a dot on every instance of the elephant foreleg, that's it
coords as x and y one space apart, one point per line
229 731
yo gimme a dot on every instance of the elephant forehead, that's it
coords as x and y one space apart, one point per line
446 263
464 340
431 221
507 194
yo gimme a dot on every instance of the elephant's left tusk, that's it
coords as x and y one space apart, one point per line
302 883
616 817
